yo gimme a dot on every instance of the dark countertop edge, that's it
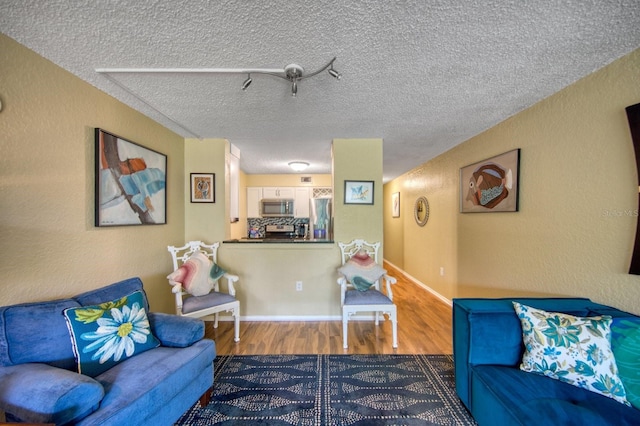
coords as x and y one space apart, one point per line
275 241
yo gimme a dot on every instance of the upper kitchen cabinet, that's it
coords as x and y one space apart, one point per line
301 202
276 192
254 195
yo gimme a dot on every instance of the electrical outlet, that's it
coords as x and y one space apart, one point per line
298 285
442 271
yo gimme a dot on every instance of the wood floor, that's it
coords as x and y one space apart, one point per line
424 327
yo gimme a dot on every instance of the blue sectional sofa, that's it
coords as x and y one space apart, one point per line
39 382
488 348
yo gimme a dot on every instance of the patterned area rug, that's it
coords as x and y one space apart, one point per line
331 390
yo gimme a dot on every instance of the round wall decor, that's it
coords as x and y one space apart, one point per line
421 211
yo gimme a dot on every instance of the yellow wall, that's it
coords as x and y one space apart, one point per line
574 233
288 180
49 244
355 160
206 221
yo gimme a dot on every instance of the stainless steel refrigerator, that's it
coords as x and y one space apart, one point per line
320 218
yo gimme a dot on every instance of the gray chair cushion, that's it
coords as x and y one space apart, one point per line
369 297
197 303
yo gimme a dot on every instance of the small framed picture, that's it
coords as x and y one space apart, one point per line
203 188
358 192
395 204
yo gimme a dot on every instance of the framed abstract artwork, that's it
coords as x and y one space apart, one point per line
358 192
491 185
203 188
130 182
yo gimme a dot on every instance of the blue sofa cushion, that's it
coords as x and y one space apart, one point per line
175 331
625 343
36 332
40 393
488 331
135 388
108 333
507 395
112 292
575 350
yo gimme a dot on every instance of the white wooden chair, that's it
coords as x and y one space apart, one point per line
209 304
371 300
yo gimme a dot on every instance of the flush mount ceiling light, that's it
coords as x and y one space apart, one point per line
292 73
298 166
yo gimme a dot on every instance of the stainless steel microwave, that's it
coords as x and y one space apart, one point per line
276 207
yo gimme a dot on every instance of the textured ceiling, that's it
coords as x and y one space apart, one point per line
423 75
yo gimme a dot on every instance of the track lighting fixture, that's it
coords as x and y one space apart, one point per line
247 82
292 72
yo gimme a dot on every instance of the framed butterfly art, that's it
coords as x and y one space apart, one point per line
358 192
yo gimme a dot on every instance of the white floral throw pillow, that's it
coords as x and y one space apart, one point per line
571 349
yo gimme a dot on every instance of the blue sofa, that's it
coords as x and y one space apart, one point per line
488 349
39 382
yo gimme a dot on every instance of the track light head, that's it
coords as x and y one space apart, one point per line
335 74
294 88
247 82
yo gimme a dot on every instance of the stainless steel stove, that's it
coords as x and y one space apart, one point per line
279 232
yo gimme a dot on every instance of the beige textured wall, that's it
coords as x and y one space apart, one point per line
208 222
574 233
50 247
357 159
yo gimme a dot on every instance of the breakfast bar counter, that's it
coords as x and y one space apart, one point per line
284 278
277 241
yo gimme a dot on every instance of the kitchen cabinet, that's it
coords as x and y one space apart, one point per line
301 202
254 195
278 192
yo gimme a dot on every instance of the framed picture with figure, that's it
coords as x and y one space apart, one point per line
203 188
395 204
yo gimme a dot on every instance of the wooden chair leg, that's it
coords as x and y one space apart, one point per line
206 397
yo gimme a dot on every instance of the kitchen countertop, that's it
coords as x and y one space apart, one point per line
276 240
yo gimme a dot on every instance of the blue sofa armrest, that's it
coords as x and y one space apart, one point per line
176 331
488 332
40 393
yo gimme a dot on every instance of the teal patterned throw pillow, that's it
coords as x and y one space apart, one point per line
572 349
625 343
104 335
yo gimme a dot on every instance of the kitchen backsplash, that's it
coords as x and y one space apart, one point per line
258 223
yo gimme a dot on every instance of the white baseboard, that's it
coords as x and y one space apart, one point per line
421 284
301 318
312 318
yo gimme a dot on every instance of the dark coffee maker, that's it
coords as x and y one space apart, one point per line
302 230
